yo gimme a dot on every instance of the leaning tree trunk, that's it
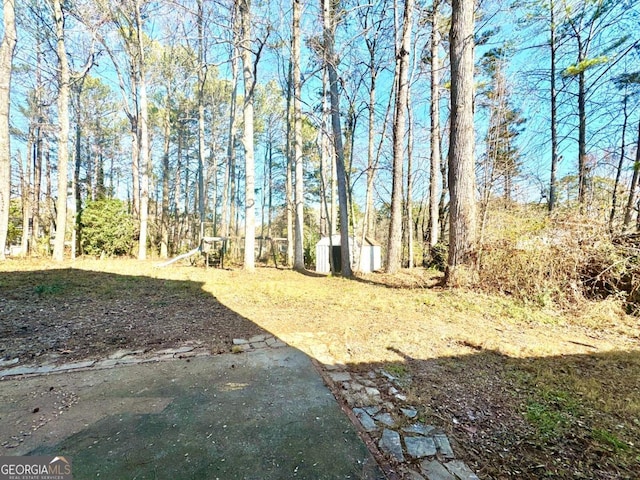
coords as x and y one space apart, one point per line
462 229
6 57
63 133
394 245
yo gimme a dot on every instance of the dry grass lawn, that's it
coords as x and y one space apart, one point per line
525 392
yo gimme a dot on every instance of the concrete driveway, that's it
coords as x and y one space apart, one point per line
262 414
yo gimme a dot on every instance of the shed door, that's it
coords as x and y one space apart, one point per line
336 257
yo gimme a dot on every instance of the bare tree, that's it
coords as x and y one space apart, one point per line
553 47
298 261
247 135
7 49
64 80
330 61
394 245
462 230
434 181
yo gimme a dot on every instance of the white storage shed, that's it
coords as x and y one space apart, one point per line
328 249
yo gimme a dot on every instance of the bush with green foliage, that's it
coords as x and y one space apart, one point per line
107 228
15 222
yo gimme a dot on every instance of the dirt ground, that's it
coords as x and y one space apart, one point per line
524 392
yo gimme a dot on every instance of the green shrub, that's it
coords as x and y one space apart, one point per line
107 228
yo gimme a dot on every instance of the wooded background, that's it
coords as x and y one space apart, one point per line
161 121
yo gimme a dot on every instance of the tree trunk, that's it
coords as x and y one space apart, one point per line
330 63
409 207
369 220
554 111
628 211
26 205
582 130
201 145
76 244
298 260
434 181
63 133
164 225
145 161
462 230
289 172
6 59
402 73
247 137
231 148
614 195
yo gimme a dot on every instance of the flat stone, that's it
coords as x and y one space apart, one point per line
419 429
8 363
258 338
110 362
25 370
365 419
274 342
133 360
409 412
259 344
175 351
240 341
356 386
333 366
340 376
393 390
413 475
74 366
374 392
386 419
460 470
124 353
418 447
390 444
372 410
402 398
442 442
387 375
434 470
